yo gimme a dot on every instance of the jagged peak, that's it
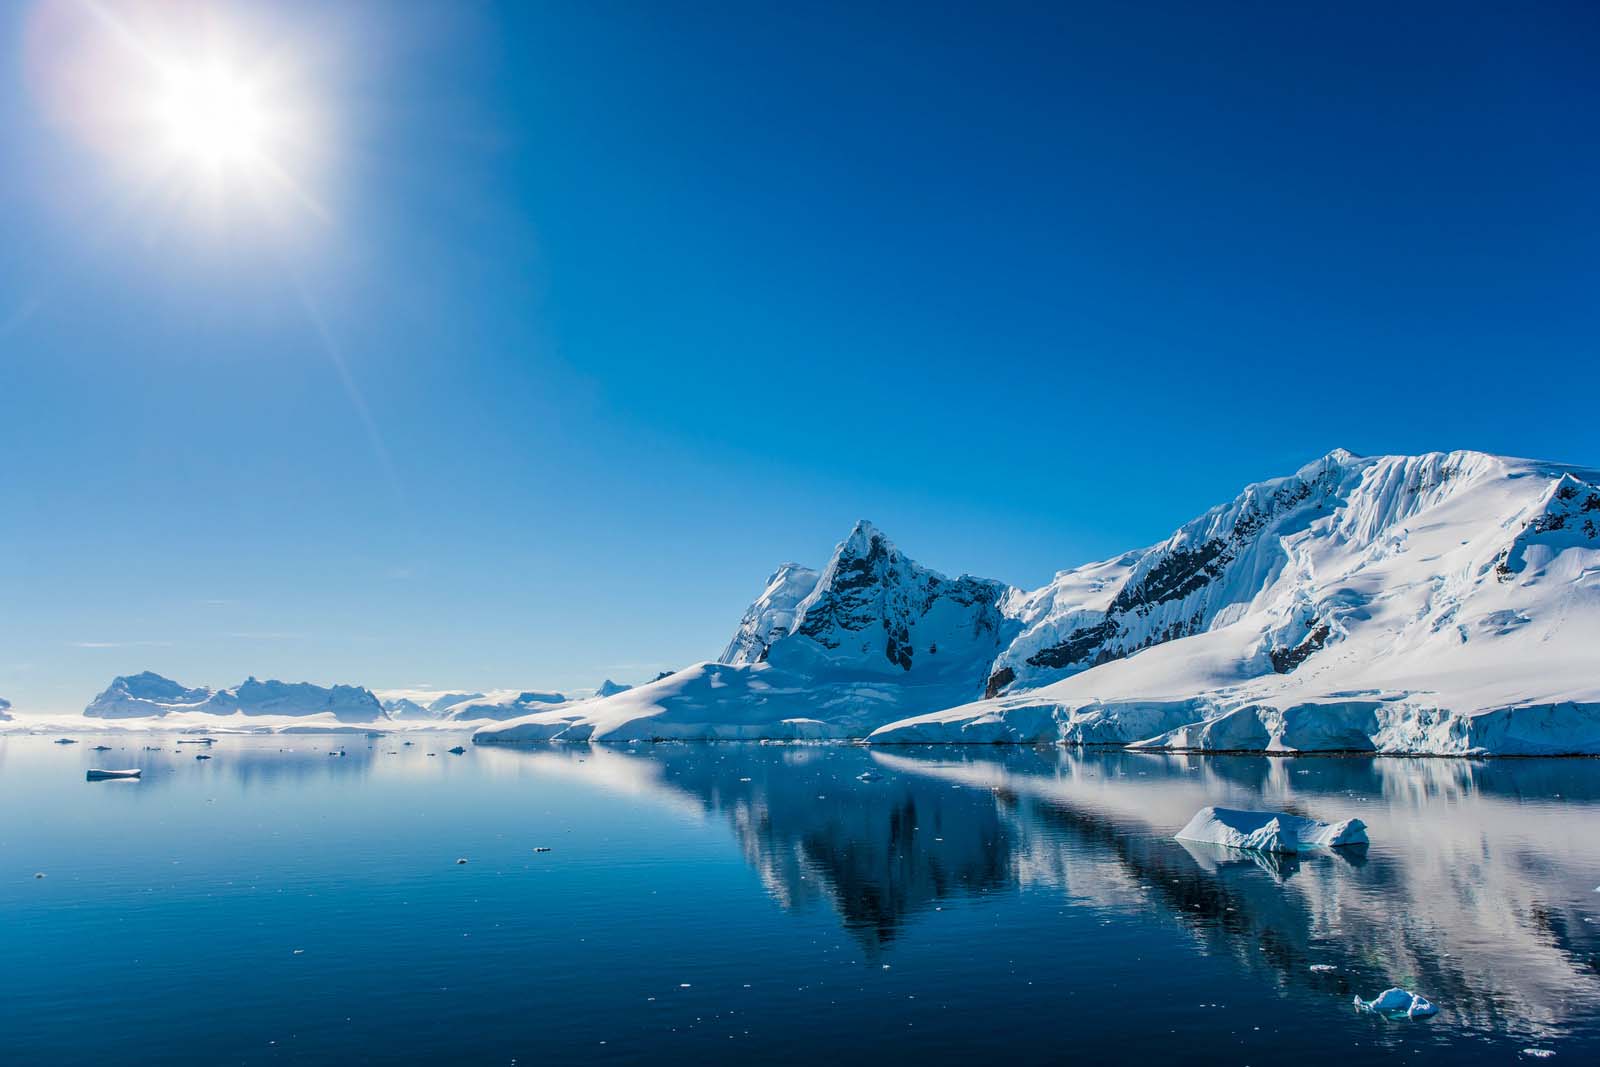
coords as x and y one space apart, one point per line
1336 457
861 536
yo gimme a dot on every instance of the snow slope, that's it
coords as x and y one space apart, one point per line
1447 603
771 616
150 696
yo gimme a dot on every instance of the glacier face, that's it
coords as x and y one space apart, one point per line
1446 602
149 695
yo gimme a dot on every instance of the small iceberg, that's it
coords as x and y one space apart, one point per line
66 740
1396 1003
1270 831
97 774
457 751
197 740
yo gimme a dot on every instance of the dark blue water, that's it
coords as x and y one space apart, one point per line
717 903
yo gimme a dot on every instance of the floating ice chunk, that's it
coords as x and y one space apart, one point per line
101 748
66 740
97 774
457 751
1323 968
202 756
1270 831
869 776
1397 1003
1539 1053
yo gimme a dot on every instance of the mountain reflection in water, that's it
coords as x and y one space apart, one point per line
1478 886
904 901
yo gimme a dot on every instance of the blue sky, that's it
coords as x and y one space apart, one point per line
610 308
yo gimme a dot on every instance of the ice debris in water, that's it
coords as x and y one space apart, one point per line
457 751
1397 1003
869 776
1539 1053
463 859
1270 831
1323 968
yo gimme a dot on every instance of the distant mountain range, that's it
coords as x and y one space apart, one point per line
149 695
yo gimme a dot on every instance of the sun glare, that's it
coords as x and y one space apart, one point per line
201 109
212 118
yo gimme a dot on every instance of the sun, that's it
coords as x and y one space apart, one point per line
212 117
199 109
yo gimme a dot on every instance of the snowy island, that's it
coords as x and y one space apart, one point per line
1441 604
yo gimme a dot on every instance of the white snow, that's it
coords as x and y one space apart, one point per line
771 616
1270 831
1444 604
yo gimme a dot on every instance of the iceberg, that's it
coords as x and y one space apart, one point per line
1397 1003
97 774
1270 831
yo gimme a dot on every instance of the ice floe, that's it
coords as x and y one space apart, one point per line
1270 831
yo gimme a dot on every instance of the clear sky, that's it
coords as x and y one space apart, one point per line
583 316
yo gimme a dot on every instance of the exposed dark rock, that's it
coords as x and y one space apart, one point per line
1285 660
998 681
1079 646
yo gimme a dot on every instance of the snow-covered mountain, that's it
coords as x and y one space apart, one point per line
502 705
874 636
1443 603
1448 602
608 688
149 695
444 702
404 708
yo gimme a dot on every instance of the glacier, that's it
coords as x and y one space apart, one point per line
1442 604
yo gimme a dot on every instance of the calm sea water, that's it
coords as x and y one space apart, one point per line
717 903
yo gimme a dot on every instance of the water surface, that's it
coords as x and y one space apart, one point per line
279 904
